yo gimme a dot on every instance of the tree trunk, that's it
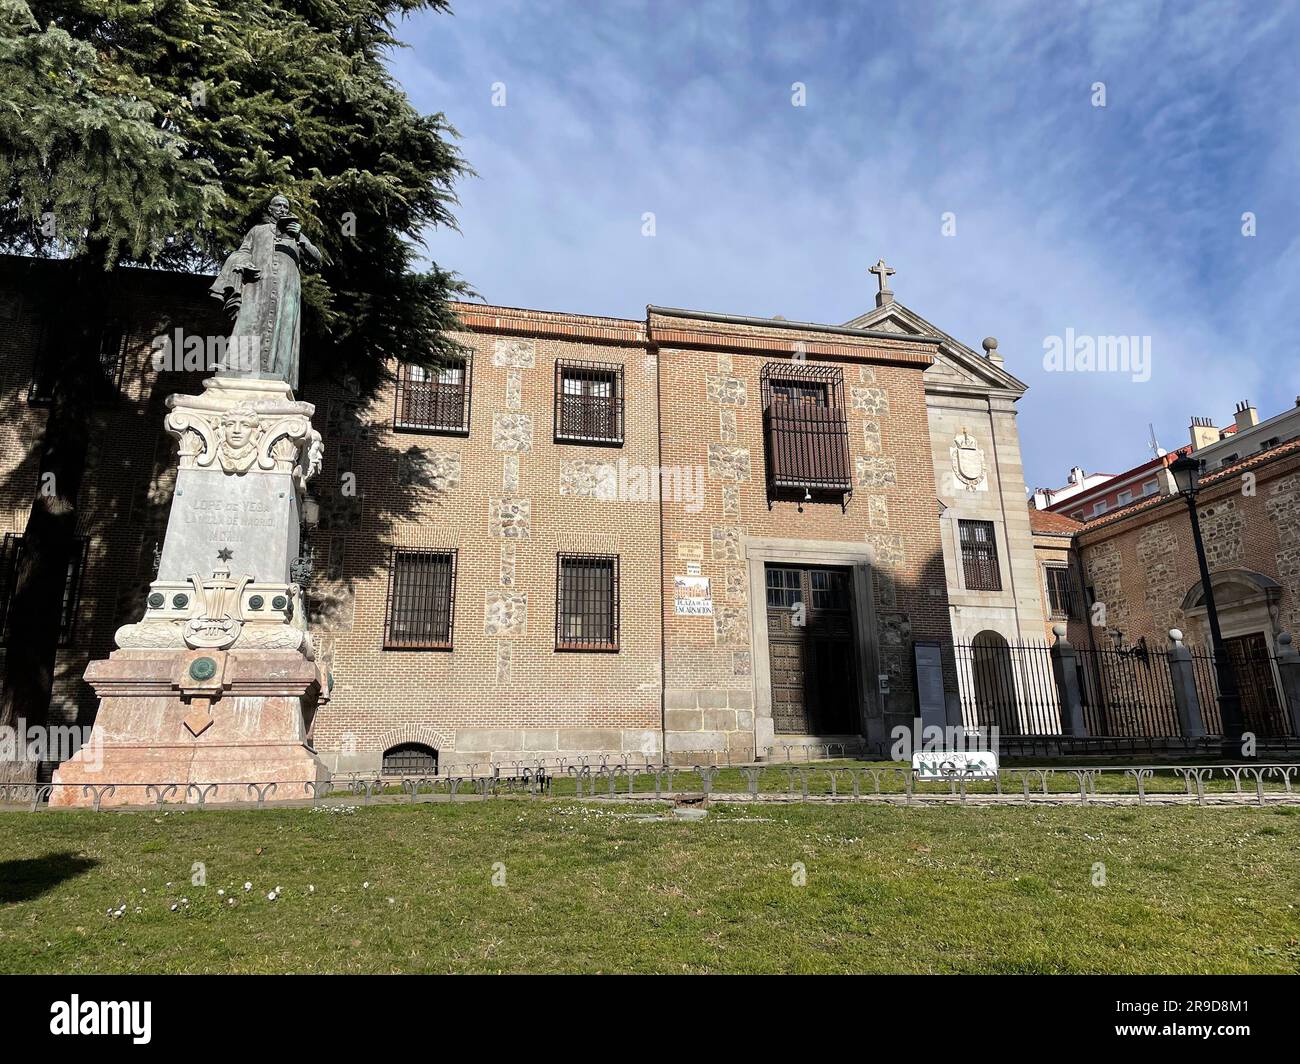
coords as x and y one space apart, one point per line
49 541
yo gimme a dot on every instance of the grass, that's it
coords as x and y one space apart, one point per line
596 887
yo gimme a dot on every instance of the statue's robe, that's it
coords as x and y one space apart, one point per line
268 302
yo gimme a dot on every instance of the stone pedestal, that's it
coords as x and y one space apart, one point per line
174 723
217 683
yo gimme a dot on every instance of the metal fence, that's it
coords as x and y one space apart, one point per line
1125 692
895 784
1008 686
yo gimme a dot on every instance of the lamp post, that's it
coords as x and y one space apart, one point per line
1186 472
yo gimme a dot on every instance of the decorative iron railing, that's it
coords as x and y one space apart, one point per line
1258 784
805 428
433 401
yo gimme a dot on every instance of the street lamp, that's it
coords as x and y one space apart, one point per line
1186 472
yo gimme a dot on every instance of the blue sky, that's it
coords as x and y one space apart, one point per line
1116 220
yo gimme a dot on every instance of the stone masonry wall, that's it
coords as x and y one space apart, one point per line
1142 563
712 418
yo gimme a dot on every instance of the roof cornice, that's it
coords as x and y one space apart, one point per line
782 323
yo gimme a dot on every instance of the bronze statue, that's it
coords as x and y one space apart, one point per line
260 287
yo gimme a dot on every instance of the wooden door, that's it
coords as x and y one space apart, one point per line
811 650
1261 709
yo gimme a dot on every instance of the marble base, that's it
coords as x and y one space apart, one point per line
194 718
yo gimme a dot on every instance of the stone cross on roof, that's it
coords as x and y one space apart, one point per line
883 273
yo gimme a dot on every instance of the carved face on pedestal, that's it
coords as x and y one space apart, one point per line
241 431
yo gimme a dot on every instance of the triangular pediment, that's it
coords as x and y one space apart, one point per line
956 365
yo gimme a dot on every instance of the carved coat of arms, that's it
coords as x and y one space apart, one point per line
967 460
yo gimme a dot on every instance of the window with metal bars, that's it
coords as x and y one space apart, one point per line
806 428
589 403
586 602
783 589
979 556
11 556
410 759
50 361
433 400
421 599
830 589
1060 591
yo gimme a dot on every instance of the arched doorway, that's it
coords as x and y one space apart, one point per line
1247 603
994 683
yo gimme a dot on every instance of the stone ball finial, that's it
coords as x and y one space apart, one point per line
1284 638
1058 630
990 344
1176 635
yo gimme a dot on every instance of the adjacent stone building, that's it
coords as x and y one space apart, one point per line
1133 573
693 535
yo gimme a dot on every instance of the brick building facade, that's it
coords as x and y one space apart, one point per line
1140 564
693 535
1133 573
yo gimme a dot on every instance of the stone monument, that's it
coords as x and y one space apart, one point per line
216 684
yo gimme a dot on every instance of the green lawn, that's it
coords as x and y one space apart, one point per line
597 887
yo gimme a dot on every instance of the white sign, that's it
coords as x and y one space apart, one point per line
692 568
691 597
955 764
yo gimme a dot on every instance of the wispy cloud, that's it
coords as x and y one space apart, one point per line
1117 220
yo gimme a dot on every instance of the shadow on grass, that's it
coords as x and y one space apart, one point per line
27 879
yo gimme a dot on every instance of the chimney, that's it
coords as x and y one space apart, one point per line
1076 475
1203 433
1246 416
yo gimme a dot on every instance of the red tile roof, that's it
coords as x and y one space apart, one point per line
1207 479
1046 521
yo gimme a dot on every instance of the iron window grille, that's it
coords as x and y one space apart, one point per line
434 400
410 759
783 589
806 430
830 589
586 602
1060 592
589 403
979 556
11 557
49 362
421 599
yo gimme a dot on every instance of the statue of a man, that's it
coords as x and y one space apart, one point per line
260 286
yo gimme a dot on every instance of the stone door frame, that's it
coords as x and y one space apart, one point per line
856 557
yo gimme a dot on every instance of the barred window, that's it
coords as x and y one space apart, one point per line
588 402
50 360
782 588
830 589
421 599
410 759
1060 591
433 400
979 556
586 606
806 429
11 556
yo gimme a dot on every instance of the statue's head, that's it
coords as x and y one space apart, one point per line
279 207
240 425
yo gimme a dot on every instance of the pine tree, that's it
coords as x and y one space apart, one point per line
153 132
